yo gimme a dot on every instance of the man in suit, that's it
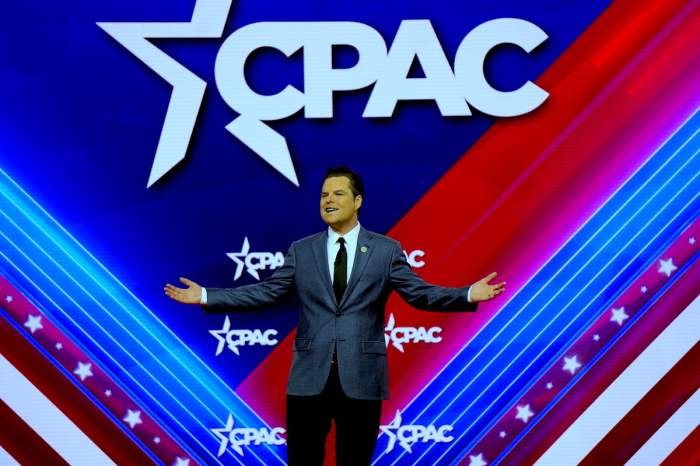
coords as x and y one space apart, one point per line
343 277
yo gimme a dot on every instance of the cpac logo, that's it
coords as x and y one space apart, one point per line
246 436
413 258
242 337
453 88
400 335
410 434
254 261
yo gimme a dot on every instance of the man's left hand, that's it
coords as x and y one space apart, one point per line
482 291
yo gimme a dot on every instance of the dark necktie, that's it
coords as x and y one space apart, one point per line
340 271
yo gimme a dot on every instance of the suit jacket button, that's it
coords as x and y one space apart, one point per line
332 340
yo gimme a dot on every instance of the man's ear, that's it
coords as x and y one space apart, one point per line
358 201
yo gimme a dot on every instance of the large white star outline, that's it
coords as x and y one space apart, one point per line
208 22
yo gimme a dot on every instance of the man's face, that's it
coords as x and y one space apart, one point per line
338 204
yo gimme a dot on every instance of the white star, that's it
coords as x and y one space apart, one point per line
220 431
156 440
221 336
395 424
181 462
108 392
477 460
550 385
571 364
83 370
502 434
596 337
391 323
8 298
132 418
644 288
691 240
208 21
667 267
619 315
59 345
524 413
33 323
240 263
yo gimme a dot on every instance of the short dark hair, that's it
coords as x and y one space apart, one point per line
356 185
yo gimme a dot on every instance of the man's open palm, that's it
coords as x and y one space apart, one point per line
482 291
190 295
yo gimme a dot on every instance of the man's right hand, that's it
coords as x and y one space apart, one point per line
190 295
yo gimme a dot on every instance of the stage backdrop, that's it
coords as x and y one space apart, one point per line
553 142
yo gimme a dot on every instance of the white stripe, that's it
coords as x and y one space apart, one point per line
626 391
47 420
6 459
670 435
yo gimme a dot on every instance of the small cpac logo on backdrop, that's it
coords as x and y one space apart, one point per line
408 435
246 436
242 337
400 335
254 261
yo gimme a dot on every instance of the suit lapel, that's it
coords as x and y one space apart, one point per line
362 254
320 251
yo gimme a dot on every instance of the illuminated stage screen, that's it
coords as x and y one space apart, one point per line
556 143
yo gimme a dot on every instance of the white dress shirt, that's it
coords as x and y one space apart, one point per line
333 247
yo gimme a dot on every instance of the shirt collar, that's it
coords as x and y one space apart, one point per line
350 237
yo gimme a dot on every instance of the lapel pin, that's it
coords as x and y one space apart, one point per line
363 249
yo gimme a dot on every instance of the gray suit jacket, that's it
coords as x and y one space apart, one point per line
355 325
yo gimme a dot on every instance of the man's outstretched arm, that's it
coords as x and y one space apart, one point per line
247 298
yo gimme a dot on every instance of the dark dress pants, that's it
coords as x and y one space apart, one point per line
309 421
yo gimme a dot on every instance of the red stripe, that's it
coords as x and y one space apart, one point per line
652 411
23 443
687 453
68 398
598 377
